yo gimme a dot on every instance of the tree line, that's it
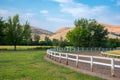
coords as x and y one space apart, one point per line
89 33
12 32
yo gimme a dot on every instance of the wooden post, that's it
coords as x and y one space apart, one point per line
66 58
112 67
92 63
60 57
77 58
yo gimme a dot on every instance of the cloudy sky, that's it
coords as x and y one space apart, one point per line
54 14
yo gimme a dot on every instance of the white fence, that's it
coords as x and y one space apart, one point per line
77 58
71 49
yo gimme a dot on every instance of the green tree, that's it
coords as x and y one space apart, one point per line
36 38
27 32
81 22
48 41
16 32
55 42
99 35
79 37
113 42
2 31
87 33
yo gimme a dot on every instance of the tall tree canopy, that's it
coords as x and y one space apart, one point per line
2 30
16 32
87 33
36 38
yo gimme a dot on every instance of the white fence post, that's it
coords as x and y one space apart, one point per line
66 58
51 54
92 63
77 58
112 67
54 55
60 57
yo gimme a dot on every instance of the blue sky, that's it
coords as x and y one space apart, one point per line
54 14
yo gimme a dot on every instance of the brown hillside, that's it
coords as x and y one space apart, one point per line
112 28
41 32
63 31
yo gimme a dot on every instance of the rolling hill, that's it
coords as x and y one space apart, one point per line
41 32
114 31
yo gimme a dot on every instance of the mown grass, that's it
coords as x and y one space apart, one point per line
25 47
30 65
117 52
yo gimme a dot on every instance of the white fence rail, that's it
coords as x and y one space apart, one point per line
71 49
78 58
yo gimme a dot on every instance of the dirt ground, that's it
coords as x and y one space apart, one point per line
97 69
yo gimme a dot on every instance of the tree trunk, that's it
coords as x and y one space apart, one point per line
14 47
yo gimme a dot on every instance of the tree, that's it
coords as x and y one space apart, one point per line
112 42
79 37
16 32
87 33
27 33
81 22
55 42
36 38
2 31
48 41
99 35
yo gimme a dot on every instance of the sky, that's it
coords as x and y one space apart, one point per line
54 14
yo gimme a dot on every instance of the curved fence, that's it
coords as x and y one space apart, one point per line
70 49
113 63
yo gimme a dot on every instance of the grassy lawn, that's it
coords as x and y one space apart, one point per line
30 65
117 52
24 47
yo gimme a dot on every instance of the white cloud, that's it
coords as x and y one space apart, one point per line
82 10
4 12
118 2
101 13
63 1
29 14
44 11
58 20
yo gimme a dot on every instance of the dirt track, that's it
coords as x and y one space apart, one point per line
99 69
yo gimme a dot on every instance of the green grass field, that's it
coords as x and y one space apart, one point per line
30 65
117 52
25 47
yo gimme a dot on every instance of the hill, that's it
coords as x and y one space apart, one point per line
61 33
114 31
41 32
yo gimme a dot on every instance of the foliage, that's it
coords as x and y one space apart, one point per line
15 32
99 35
55 42
48 41
87 33
36 38
110 42
2 31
